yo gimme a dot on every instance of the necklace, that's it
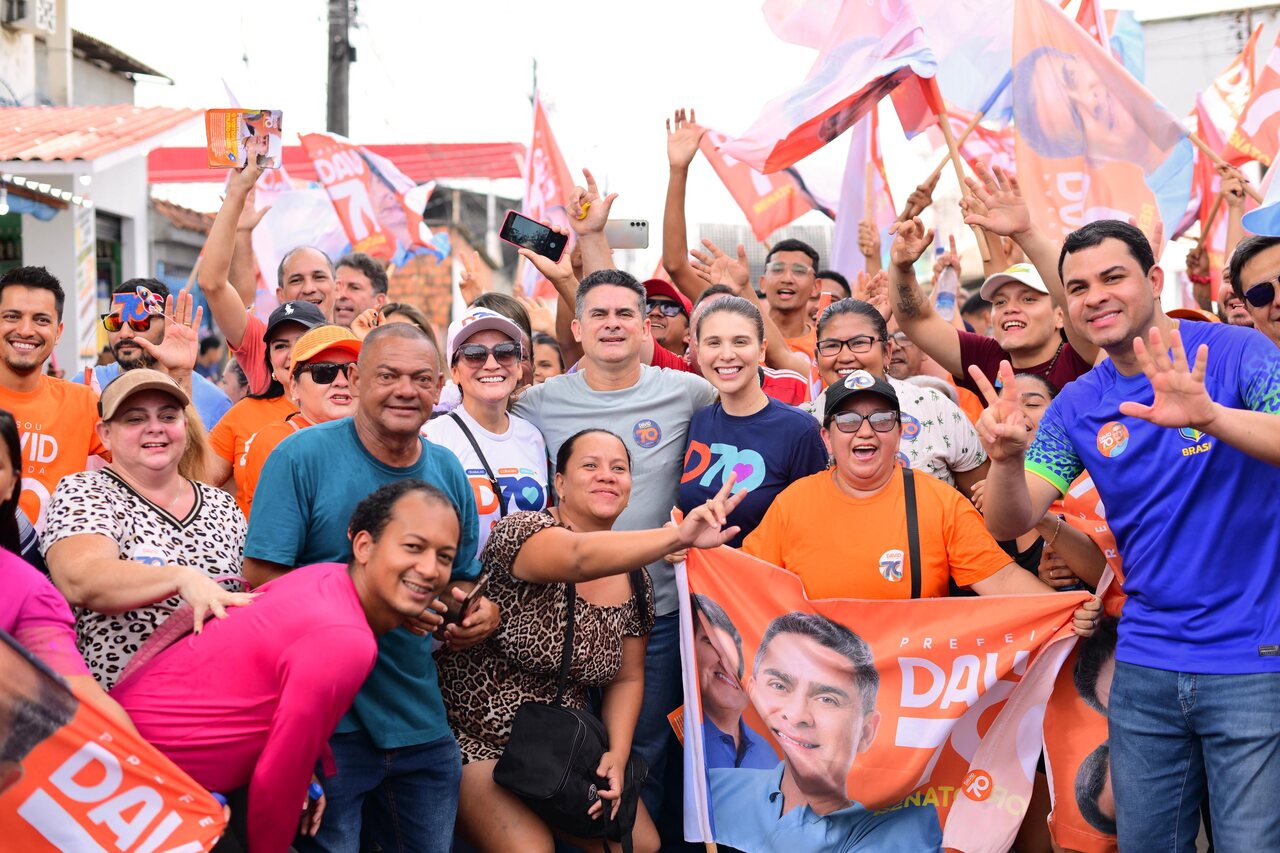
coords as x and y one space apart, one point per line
1054 360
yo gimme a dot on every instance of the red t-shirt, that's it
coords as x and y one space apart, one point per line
785 386
1065 366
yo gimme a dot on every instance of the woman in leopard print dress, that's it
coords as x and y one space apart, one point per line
530 558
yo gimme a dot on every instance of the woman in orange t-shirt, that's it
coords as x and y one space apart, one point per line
243 420
844 531
320 388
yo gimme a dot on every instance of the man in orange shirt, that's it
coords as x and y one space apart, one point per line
790 276
56 419
858 546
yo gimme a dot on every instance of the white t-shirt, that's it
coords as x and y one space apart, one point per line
518 458
937 437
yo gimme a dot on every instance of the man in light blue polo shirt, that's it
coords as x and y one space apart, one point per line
210 401
814 683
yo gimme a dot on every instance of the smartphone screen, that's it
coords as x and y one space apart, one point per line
522 231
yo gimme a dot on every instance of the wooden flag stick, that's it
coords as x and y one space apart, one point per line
946 158
954 149
1218 161
868 203
1207 228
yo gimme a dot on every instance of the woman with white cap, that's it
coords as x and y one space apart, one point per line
321 389
127 544
505 456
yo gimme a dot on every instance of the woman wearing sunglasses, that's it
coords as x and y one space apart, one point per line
937 438
505 457
322 389
874 514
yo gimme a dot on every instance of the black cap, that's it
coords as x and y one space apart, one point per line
303 313
858 382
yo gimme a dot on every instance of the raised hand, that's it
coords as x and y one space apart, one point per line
909 243
949 258
1233 186
540 317
469 282
919 199
560 271
1198 261
716 267
1181 399
246 178
868 239
682 142
704 525
180 347
1001 208
588 211
878 294
1003 428
249 215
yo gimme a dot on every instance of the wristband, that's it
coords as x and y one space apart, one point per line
1199 279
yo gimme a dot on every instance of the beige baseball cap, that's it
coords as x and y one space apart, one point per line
131 382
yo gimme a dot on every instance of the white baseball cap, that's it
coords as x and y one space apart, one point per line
1021 273
478 320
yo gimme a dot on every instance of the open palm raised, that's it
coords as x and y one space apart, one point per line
1181 399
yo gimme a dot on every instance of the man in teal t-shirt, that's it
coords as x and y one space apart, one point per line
395 739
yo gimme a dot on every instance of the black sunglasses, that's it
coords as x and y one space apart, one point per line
1262 295
852 421
477 355
324 372
668 309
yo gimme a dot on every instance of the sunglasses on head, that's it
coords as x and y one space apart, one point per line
668 308
325 372
1262 295
881 421
115 321
477 355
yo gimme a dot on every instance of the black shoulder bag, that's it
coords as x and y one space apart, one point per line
493 480
551 758
913 529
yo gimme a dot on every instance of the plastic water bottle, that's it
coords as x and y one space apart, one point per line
948 286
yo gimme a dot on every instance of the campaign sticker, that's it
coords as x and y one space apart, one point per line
1113 439
891 565
646 433
859 379
910 427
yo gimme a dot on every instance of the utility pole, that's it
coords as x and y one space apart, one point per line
341 55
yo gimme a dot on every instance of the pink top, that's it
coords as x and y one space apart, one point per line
35 614
254 698
251 355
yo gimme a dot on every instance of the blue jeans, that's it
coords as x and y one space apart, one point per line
654 741
404 799
1172 734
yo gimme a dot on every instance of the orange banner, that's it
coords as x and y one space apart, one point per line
1257 135
548 184
768 201
72 780
899 724
347 179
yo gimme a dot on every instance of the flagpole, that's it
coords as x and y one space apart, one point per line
964 136
944 122
1207 228
868 203
1218 161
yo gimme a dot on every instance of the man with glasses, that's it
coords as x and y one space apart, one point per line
1255 280
137 312
789 279
668 310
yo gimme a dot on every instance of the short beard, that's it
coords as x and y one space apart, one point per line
134 363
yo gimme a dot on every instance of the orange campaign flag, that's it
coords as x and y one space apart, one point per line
768 201
548 185
73 781
1092 142
922 715
869 50
347 179
1257 135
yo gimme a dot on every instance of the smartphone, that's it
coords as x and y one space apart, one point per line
520 230
627 233
472 600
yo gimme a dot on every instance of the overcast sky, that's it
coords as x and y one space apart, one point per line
462 72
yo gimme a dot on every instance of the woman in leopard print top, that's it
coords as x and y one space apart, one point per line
530 558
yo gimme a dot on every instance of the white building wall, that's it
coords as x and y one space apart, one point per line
94 85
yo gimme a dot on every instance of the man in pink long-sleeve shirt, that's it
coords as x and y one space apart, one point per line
254 698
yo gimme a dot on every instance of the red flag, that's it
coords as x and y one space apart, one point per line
918 103
1257 134
768 201
1090 18
869 51
547 187
348 181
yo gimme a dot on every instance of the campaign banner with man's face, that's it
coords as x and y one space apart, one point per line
74 781
839 725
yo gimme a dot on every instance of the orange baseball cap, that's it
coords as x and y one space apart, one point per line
1194 314
322 338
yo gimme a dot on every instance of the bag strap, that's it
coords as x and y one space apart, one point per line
566 654
913 528
475 445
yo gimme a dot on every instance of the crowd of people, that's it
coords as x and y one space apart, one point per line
378 543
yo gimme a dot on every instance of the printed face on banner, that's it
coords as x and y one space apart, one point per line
880 731
71 779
